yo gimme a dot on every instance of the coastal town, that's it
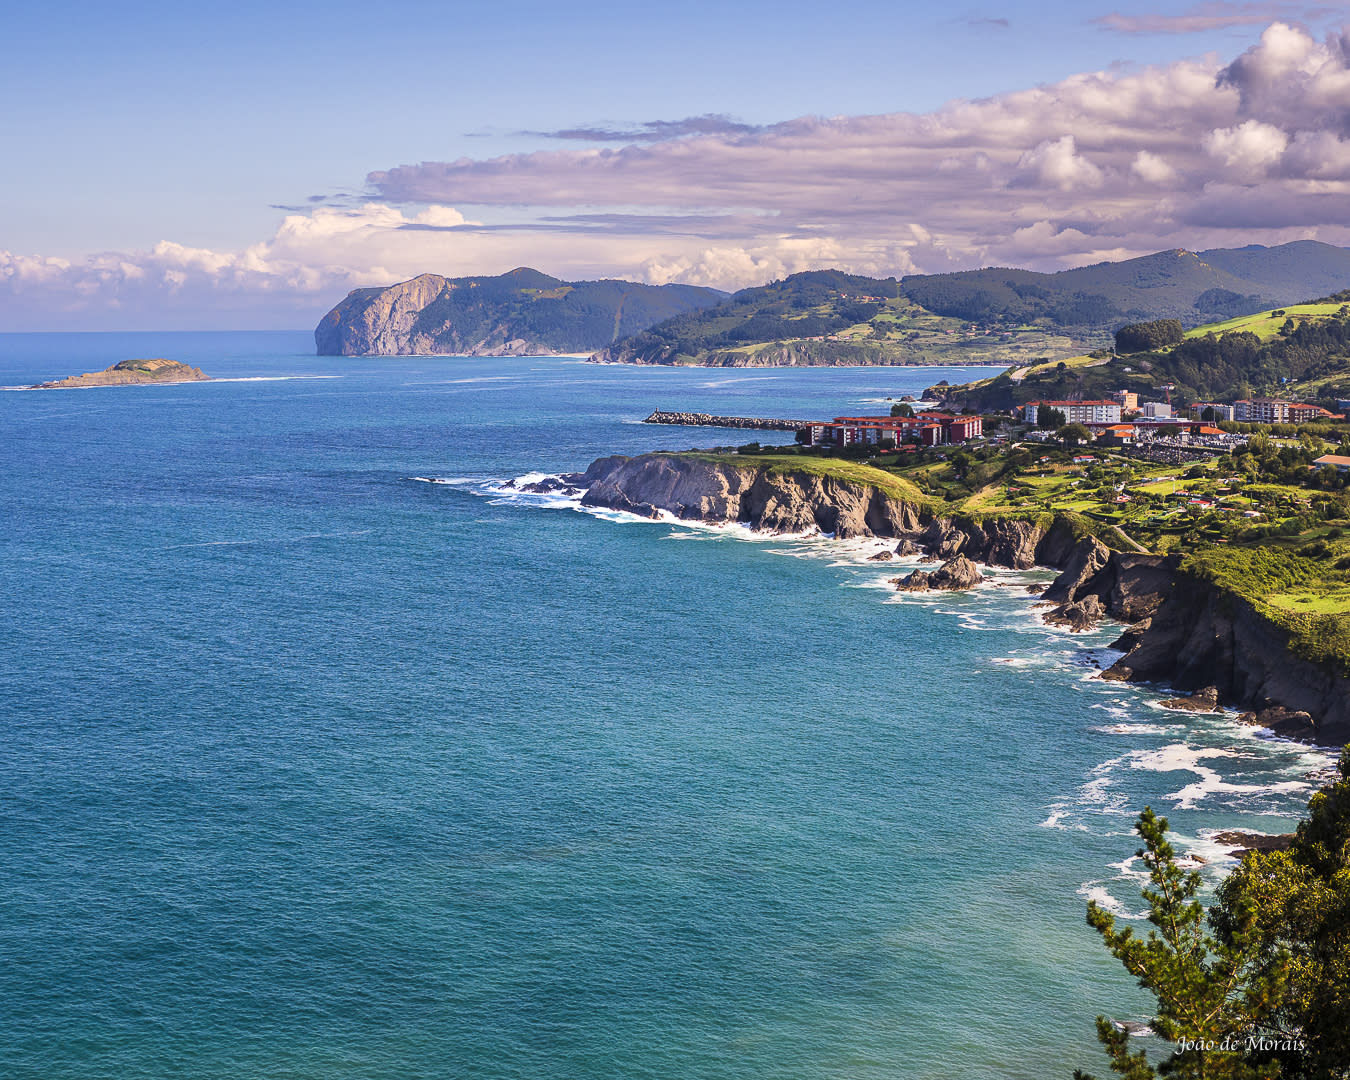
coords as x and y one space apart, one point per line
1158 474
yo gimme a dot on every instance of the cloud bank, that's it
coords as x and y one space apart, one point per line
1103 165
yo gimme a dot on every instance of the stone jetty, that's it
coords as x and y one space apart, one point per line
698 419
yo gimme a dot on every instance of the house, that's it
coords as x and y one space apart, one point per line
1115 434
1220 410
1157 410
1128 400
1333 461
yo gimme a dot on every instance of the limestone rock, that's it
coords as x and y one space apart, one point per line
1078 616
954 575
918 581
1088 557
1204 700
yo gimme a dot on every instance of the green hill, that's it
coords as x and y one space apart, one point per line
518 313
995 315
1301 351
827 317
1195 287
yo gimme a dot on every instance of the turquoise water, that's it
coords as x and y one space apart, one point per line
310 770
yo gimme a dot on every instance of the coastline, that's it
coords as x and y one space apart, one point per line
1006 596
1178 632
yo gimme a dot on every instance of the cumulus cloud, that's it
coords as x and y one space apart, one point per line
1152 169
1102 165
1056 163
1250 147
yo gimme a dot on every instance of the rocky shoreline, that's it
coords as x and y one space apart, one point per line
1181 632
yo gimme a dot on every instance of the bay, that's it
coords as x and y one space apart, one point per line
310 769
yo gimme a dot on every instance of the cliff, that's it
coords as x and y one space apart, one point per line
519 313
1185 631
1192 634
842 499
131 372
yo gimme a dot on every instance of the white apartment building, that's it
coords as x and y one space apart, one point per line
1075 412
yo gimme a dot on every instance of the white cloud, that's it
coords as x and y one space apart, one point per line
1251 147
1057 163
1099 165
1152 169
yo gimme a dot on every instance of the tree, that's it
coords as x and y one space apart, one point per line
1148 336
1214 994
1301 902
1073 434
1048 419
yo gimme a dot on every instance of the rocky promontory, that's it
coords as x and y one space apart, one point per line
130 373
519 313
1183 632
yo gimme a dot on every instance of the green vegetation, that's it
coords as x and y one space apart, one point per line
1259 522
1145 337
783 459
1266 324
1211 989
1301 351
829 317
1258 987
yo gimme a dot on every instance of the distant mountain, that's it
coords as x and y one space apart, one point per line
994 316
519 313
827 317
1195 287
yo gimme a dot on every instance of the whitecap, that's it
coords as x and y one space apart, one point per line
258 378
1097 891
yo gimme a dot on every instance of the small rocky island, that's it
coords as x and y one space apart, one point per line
129 373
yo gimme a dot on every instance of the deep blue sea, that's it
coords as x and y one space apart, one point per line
310 770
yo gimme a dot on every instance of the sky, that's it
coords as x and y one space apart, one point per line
244 166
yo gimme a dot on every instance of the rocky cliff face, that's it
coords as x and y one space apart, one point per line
378 322
1183 632
1189 634
699 490
519 313
792 501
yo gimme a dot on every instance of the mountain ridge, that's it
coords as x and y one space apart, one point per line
1001 316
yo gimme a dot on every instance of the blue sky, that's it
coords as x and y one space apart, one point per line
246 165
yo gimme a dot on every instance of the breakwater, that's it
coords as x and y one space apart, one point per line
698 419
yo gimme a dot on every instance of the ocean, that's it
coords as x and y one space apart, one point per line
311 769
